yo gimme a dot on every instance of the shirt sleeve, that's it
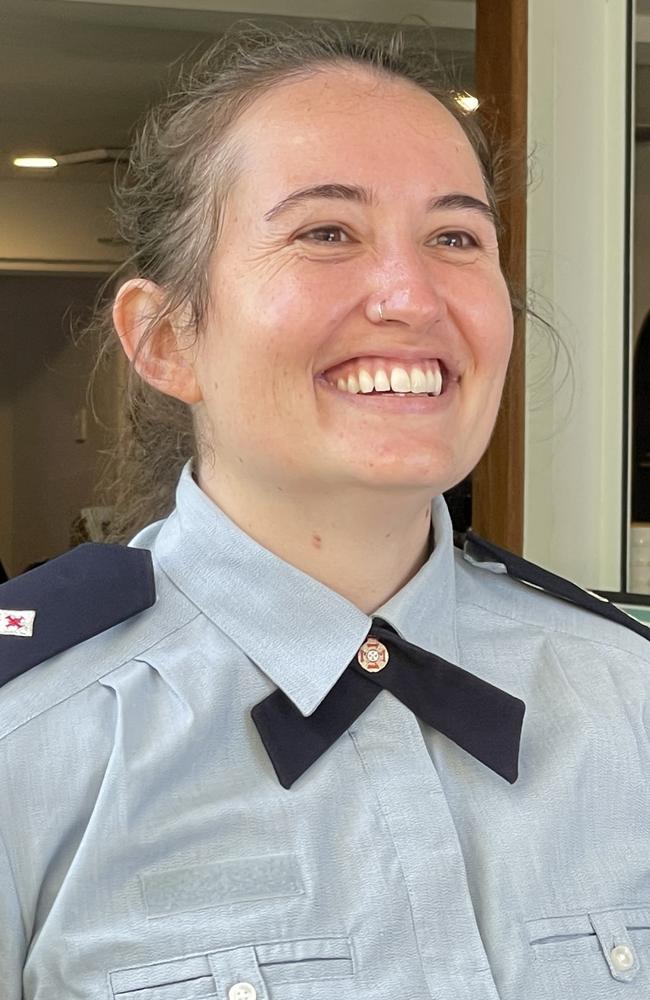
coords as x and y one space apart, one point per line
13 939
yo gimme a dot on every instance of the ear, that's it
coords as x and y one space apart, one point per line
162 354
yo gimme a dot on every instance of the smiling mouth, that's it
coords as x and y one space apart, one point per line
378 377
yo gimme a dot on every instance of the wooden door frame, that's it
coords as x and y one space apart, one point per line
502 88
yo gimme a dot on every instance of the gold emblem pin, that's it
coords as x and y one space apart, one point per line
373 656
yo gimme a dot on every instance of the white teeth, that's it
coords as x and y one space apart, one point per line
366 381
381 381
421 380
418 380
434 382
399 380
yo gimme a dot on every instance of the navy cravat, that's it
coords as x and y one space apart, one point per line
482 719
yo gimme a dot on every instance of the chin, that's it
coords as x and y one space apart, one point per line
408 481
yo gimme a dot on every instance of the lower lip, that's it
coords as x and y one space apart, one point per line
394 404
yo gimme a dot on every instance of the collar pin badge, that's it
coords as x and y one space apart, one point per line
373 655
20 623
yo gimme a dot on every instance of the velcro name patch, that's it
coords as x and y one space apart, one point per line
236 880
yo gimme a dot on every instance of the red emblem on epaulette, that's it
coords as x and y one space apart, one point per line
20 623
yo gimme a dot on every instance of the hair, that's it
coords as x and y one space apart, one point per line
170 202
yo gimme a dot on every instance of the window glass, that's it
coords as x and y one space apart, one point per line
639 534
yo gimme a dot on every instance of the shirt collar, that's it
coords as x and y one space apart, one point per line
298 631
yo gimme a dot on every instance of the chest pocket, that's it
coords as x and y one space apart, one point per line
267 971
599 954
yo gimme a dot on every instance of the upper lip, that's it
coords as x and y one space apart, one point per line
406 354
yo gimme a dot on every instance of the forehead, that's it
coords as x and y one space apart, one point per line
357 126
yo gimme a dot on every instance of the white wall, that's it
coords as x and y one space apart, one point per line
443 13
56 224
576 247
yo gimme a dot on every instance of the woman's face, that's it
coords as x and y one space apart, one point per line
298 277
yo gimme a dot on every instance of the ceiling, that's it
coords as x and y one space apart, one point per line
77 74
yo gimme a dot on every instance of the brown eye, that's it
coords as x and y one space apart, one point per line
325 234
455 240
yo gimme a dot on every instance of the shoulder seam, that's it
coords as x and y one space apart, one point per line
558 631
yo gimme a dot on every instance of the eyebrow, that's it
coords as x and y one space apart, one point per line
344 192
462 201
351 192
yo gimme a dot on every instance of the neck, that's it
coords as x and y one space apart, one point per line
365 548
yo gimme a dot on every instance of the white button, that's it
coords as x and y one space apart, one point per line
622 957
242 991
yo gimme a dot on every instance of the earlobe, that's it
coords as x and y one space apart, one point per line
157 351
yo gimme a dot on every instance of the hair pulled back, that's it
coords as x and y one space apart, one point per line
170 202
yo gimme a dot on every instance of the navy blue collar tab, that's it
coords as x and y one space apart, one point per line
480 718
481 551
70 599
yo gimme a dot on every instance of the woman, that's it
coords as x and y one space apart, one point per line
214 797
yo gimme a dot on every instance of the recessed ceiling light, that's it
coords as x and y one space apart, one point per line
467 102
35 162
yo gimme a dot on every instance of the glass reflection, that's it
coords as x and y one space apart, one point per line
639 538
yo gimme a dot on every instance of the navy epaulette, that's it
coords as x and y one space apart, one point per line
481 551
70 599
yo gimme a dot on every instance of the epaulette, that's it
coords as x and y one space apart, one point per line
479 550
70 599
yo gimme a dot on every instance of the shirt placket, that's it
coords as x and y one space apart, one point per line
414 808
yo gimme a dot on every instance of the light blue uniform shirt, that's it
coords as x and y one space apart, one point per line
148 851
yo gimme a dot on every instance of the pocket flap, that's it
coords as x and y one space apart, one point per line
159 974
616 934
214 973
576 925
304 950
306 959
566 926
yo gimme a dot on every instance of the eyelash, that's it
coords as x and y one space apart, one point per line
311 237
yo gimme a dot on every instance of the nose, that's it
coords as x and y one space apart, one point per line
407 291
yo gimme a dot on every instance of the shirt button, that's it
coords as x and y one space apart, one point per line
622 957
373 655
242 991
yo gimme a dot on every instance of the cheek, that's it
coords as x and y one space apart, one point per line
286 327
307 298
254 344
485 317
270 306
